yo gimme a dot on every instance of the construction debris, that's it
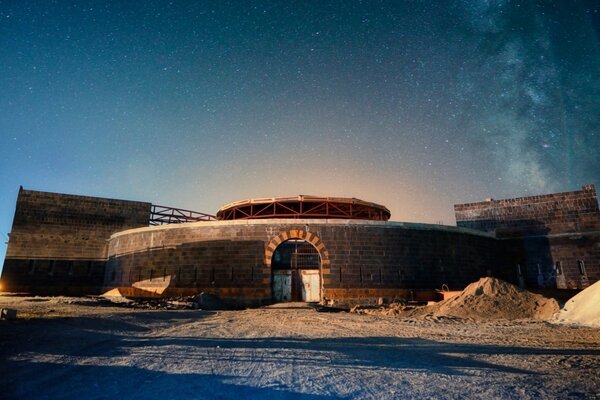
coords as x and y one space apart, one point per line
486 299
491 298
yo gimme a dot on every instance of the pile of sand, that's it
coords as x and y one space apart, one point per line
583 309
491 298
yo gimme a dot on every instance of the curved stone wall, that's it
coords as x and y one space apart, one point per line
360 260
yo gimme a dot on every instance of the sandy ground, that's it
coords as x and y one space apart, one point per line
74 348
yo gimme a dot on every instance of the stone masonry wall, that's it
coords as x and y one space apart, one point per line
58 242
554 239
360 260
545 214
563 262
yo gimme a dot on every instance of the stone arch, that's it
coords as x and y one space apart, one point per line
302 235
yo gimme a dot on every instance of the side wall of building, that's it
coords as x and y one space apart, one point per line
553 239
58 242
361 261
569 212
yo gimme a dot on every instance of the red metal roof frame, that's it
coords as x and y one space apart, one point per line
303 206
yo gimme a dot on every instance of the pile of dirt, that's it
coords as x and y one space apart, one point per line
491 298
583 309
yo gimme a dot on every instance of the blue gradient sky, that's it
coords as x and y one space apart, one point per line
415 105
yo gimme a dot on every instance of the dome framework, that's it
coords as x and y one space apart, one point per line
303 206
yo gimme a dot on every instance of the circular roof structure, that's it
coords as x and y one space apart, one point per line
303 206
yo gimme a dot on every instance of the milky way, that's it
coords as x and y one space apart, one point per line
415 105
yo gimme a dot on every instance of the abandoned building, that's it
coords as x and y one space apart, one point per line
302 248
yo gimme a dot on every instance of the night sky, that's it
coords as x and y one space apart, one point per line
414 105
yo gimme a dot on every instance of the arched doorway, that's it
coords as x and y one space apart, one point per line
296 272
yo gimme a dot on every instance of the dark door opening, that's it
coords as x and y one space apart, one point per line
296 272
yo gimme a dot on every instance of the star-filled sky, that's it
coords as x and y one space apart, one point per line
416 105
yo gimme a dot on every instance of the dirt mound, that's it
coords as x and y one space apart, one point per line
491 298
584 308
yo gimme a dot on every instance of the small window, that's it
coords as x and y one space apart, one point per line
31 267
90 268
51 268
70 269
558 268
519 270
581 266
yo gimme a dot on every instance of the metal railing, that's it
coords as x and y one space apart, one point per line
161 215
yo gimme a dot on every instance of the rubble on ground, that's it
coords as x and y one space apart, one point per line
486 299
159 303
395 308
202 301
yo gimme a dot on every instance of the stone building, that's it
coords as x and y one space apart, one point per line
550 240
302 248
58 242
